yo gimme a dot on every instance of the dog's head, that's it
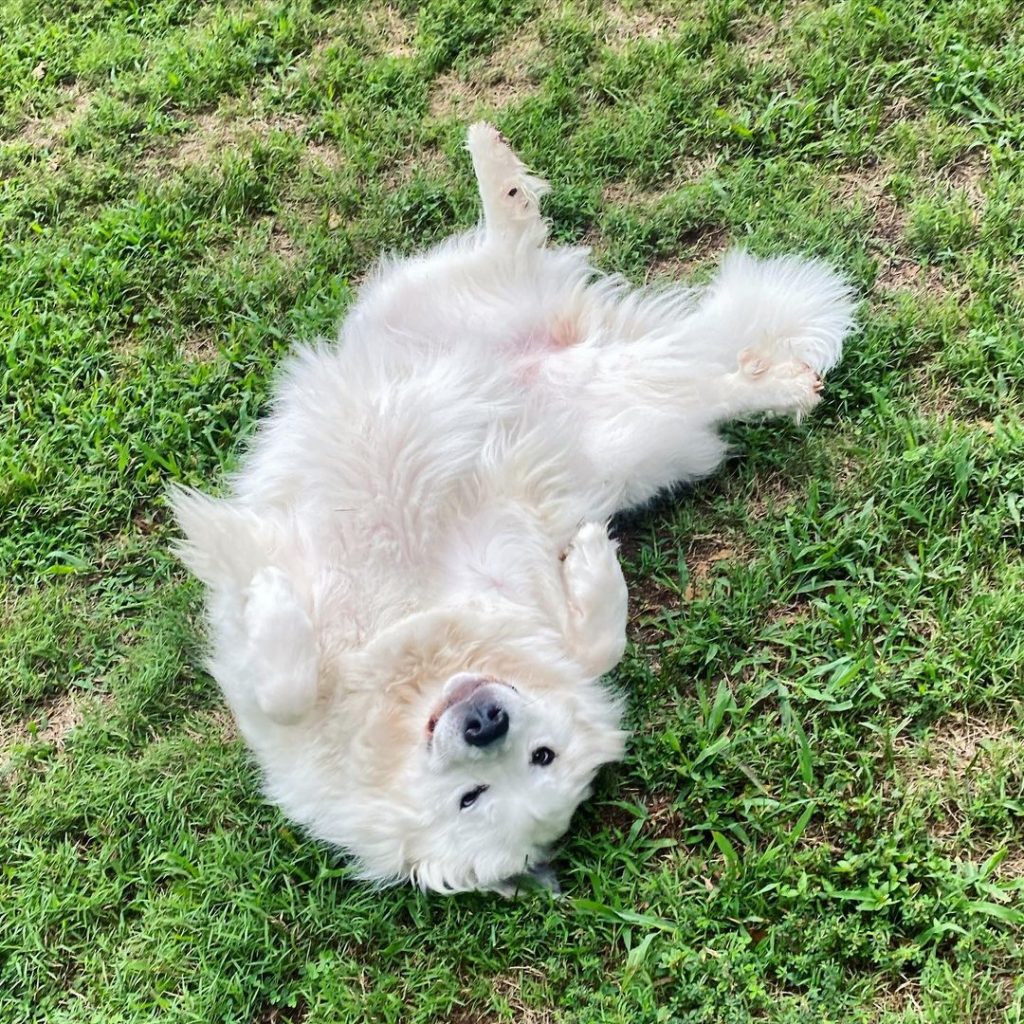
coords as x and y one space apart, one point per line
482 775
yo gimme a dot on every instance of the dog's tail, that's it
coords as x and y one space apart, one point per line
790 305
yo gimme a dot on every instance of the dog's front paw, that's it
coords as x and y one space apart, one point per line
282 657
597 599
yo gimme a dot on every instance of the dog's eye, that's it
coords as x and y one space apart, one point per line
542 756
468 799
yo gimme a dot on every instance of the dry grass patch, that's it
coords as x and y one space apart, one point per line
324 155
951 752
689 171
761 41
219 721
869 186
48 132
945 765
625 23
199 347
217 131
897 270
942 399
52 723
428 161
771 493
506 78
509 986
967 175
662 816
902 997
705 552
706 247
281 245
395 34
901 273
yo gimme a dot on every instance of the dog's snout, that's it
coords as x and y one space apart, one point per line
485 722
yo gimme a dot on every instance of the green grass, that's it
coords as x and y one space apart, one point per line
820 819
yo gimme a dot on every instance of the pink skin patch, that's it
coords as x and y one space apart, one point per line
563 332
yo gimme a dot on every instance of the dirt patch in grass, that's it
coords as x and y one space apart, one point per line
942 399
219 721
665 820
705 247
48 132
945 764
281 245
505 79
648 595
509 987
901 996
869 185
966 175
1011 867
688 170
704 554
649 600
897 269
761 41
788 614
952 749
771 493
281 1014
396 35
626 23
199 347
901 109
217 131
428 161
901 273
52 723
324 155
651 596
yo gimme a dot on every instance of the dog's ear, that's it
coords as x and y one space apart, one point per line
223 545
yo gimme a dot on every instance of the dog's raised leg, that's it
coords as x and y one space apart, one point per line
597 601
764 383
509 193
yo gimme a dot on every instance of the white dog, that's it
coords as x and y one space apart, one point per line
412 591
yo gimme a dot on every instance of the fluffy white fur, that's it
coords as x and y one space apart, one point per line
419 526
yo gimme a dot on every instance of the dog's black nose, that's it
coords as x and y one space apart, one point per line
485 722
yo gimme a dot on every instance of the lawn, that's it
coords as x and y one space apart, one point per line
821 818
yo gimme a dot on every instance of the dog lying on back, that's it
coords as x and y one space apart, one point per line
412 594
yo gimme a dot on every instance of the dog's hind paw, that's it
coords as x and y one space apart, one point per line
786 388
509 192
